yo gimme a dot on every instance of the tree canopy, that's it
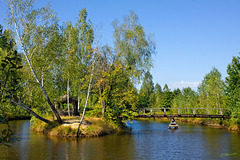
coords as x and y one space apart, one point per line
54 60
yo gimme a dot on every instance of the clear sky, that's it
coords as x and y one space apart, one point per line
191 36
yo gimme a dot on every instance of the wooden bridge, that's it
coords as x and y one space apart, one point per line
183 112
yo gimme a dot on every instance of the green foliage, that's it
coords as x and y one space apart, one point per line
40 126
96 111
167 97
10 76
5 134
133 46
236 116
158 95
233 82
146 96
55 55
119 94
187 98
117 70
211 91
233 88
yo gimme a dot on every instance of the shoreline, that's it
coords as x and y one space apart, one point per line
214 123
96 127
19 118
91 127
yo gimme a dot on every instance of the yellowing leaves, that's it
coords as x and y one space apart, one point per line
88 47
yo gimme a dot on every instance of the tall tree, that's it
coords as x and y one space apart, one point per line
158 95
10 75
85 52
70 57
118 69
32 28
133 47
146 93
211 90
233 87
189 97
168 96
104 61
78 53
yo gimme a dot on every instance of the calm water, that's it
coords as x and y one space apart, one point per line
148 140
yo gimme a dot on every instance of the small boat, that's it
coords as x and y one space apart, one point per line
173 124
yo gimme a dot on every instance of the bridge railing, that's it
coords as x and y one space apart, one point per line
181 111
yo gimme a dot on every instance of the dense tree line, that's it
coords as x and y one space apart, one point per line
213 92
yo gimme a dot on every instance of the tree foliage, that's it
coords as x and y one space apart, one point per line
167 97
158 95
133 46
211 90
233 88
59 59
146 93
10 72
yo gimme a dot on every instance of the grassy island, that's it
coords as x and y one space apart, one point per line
91 127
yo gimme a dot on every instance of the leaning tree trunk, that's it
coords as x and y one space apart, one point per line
35 75
13 98
89 88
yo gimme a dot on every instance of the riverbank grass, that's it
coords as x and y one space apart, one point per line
228 124
91 127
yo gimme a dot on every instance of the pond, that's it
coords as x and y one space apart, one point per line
147 140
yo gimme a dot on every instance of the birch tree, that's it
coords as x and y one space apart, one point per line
10 77
31 26
77 53
211 90
133 46
119 68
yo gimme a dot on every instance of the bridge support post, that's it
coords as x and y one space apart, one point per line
179 111
164 111
208 111
194 111
221 113
151 111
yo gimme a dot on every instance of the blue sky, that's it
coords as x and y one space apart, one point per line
192 36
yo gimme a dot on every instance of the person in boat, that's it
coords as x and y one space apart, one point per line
173 122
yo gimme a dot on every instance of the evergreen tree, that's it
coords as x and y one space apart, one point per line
146 93
158 95
168 96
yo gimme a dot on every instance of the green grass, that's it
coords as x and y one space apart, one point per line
91 127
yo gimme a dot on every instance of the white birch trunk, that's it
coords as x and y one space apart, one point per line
78 102
89 88
68 98
35 75
42 77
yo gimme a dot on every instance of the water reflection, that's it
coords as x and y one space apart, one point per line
147 140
